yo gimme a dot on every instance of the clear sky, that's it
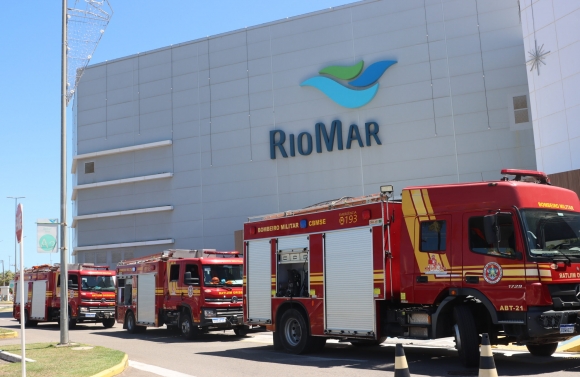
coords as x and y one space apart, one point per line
30 86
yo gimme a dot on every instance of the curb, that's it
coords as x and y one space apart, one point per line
13 358
8 335
113 371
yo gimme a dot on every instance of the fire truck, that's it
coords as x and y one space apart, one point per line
91 295
453 260
193 290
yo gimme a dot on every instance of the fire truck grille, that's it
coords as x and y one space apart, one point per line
218 300
565 296
99 301
110 309
229 312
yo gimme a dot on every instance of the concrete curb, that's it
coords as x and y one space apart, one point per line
8 335
113 371
13 358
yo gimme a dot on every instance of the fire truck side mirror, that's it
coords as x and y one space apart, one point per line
491 228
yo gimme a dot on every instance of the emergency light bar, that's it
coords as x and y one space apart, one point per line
221 252
519 174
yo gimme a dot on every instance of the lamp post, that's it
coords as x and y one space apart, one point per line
15 207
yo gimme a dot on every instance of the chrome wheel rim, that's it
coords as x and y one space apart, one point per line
185 327
130 322
293 332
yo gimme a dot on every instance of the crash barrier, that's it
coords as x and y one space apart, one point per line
401 366
486 363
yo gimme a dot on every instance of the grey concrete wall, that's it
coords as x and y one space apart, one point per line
443 112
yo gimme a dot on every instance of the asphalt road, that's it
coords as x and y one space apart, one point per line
159 352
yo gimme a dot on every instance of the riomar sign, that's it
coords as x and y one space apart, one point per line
303 142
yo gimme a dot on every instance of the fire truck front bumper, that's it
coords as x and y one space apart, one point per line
92 313
222 318
552 324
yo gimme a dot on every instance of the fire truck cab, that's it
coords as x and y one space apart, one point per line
193 290
500 257
91 295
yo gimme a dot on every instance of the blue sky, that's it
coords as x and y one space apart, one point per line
30 86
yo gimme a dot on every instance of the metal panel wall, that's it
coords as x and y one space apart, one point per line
146 298
259 281
17 292
348 281
38 310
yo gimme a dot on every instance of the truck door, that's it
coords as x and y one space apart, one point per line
38 306
433 249
192 286
495 273
173 298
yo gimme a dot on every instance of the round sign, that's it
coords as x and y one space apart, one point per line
47 242
71 294
190 291
492 273
19 223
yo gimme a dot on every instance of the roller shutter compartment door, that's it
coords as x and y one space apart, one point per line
348 281
17 292
38 309
146 299
300 242
259 280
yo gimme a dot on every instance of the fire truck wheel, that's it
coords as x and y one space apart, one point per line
542 349
108 323
187 327
241 331
466 336
294 334
131 323
27 321
72 323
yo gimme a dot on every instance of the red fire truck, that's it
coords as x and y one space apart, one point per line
459 260
91 295
182 289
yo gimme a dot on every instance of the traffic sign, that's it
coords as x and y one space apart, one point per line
19 223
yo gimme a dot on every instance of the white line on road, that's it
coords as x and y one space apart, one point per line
157 370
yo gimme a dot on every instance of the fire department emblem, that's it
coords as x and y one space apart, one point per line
190 291
492 273
71 294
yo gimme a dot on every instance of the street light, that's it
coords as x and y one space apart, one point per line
15 209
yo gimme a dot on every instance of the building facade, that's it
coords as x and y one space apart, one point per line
177 147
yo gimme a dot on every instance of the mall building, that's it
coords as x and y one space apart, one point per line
177 147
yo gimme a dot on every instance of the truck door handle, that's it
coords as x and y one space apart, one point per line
422 279
472 279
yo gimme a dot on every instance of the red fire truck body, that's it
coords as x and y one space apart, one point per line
456 260
91 295
181 288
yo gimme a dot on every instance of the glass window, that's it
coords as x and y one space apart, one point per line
478 243
433 235
222 274
174 273
552 233
193 277
98 283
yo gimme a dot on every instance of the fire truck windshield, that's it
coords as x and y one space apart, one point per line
216 275
552 233
98 283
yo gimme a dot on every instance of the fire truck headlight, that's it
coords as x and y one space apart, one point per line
83 309
209 313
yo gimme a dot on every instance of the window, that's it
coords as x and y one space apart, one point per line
191 276
478 244
174 273
102 257
89 167
521 109
73 281
433 235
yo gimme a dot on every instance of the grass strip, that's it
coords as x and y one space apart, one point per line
52 361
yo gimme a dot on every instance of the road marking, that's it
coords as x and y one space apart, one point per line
157 370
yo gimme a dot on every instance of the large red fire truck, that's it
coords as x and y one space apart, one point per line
182 289
91 295
459 260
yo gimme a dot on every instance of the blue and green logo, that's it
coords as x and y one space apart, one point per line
356 93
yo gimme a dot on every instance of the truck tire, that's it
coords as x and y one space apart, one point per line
368 343
131 323
188 329
294 333
108 323
241 331
466 336
27 321
542 349
72 322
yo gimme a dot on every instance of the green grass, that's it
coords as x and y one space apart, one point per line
4 331
54 361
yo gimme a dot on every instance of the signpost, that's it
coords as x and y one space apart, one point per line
22 281
46 235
